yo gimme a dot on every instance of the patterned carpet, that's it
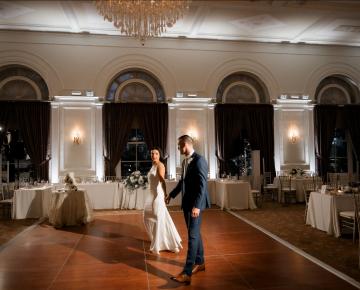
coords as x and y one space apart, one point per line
287 222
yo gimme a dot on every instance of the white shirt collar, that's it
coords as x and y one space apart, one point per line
191 153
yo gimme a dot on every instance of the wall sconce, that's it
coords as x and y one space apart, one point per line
76 138
293 134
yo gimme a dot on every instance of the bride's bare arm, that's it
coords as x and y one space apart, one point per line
161 173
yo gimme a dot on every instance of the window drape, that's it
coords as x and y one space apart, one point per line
5 109
34 124
352 113
253 121
33 120
118 118
325 117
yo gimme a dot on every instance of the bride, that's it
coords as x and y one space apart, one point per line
158 223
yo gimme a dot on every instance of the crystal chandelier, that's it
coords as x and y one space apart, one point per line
142 18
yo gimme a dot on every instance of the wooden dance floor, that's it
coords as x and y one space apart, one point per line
111 254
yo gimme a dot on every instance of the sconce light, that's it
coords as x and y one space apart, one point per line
293 134
76 138
193 133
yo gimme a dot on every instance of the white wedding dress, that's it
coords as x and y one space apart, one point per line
158 222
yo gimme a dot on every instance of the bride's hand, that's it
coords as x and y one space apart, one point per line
167 198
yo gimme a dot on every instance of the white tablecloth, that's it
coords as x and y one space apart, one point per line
31 202
70 208
323 210
103 195
234 195
133 199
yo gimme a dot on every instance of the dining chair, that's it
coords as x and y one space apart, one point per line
348 220
356 197
6 201
317 182
344 179
287 189
269 187
256 191
110 178
308 187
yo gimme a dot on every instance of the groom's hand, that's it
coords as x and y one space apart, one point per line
195 212
167 199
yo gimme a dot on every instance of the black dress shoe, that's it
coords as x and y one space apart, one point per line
182 278
197 268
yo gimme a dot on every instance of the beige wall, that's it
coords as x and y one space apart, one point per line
88 62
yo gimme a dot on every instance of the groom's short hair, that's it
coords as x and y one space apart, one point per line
186 139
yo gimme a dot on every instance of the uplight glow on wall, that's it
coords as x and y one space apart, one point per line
193 133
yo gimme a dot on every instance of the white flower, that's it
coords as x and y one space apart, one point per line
135 180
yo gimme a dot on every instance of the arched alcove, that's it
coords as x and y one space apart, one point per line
135 85
19 82
337 89
242 87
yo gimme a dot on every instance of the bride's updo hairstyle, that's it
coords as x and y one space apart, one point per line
161 155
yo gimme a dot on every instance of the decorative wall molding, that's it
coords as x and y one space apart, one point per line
236 65
135 61
329 69
36 63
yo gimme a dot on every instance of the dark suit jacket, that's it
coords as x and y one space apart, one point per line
194 185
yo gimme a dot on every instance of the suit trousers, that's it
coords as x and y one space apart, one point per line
195 253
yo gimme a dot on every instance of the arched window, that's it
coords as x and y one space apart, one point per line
242 87
135 86
337 89
18 82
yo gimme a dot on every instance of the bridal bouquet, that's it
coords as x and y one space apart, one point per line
135 180
69 182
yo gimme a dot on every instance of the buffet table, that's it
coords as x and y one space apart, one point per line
103 195
31 202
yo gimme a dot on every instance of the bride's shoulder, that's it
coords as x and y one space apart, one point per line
160 165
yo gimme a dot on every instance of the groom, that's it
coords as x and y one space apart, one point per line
195 198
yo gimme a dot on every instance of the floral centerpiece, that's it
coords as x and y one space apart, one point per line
297 171
135 180
69 182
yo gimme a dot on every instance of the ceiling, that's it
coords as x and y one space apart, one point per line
297 21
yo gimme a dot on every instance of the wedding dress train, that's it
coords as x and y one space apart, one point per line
158 222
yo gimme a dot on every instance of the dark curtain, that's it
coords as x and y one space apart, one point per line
117 119
254 122
34 124
6 109
153 122
352 117
325 117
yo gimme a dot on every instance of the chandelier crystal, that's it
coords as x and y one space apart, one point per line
142 18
